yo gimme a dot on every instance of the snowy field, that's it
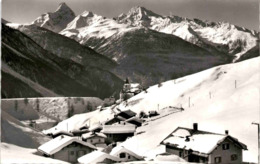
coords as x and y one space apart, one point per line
218 99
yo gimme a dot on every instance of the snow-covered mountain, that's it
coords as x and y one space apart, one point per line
225 37
57 20
217 99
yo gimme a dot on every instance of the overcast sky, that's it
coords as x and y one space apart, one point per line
240 12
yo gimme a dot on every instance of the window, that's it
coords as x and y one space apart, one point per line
71 152
129 157
234 157
122 155
225 146
91 141
180 154
217 159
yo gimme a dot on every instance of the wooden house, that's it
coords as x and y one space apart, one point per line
66 148
195 145
125 154
97 139
118 132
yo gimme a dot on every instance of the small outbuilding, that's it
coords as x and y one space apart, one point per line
66 148
98 157
94 138
125 154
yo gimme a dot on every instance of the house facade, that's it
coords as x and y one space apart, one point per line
125 155
72 152
66 148
118 132
94 138
198 146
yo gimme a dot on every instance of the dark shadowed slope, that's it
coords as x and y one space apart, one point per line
54 75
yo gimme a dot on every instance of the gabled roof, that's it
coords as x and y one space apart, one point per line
118 129
116 117
121 149
201 142
60 142
96 157
90 135
134 120
126 114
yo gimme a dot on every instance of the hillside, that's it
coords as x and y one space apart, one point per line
219 98
20 141
151 57
35 68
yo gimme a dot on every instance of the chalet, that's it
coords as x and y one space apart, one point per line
118 132
97 139
125 154
98 157
195 145
66 148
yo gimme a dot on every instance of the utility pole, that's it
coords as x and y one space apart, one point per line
189 102
258 130
235 83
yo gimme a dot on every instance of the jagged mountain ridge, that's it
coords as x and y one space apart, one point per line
47 74
57 20
223 36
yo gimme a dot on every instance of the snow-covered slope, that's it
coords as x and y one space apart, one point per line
225 37
217 99
57 20
15 154
88 26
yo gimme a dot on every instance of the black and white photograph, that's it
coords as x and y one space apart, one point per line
130 81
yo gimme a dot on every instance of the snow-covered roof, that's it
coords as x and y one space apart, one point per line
118 129
56 132
119 118
199 141
90 135
168 157
60 142
96 157
121 149
95 126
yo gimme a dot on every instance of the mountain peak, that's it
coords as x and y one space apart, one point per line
141 11
63 7
56 21
87 14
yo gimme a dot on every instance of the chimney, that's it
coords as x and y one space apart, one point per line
195 126
226 132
